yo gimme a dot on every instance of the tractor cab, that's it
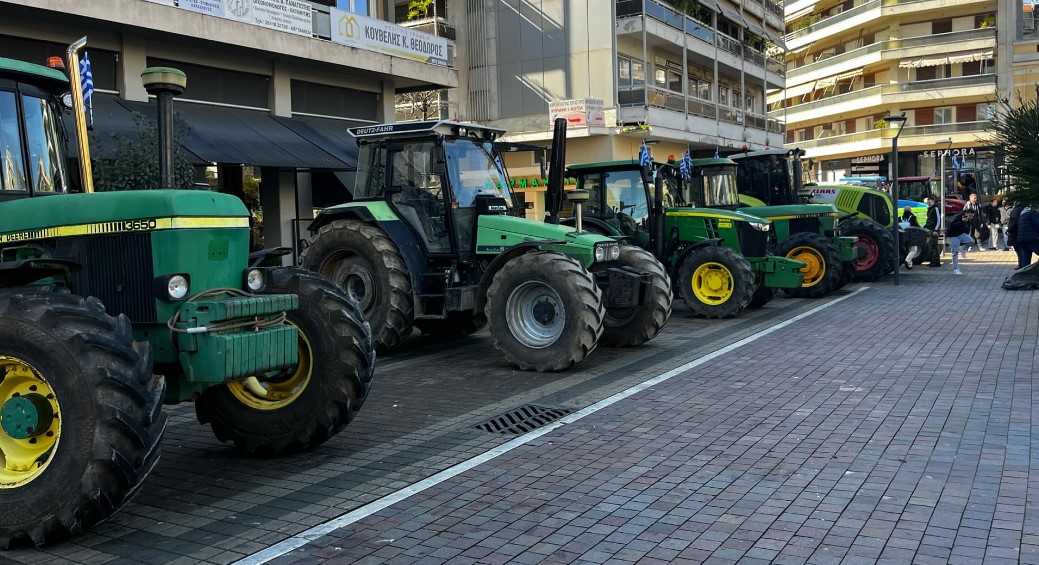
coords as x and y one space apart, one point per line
961 183
32 141
711 184
438 176
772 177
619 199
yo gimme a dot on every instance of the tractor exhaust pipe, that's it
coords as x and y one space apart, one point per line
557 165
79 114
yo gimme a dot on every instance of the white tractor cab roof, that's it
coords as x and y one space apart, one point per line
431 127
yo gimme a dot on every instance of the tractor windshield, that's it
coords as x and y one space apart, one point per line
719 186
473 169
32 158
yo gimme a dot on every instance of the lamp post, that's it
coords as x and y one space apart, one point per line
165 83
901 121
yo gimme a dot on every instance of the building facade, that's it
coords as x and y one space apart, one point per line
943 65
272 85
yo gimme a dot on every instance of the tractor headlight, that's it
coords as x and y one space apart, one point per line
759 226
174 286
608 251
254 280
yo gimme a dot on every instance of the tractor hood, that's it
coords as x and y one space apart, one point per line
113 212
531 230
790 211
717 213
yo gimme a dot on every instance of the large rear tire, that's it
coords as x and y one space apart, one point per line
367 264
310 404
878 245
628 327
82 416
822 261
544 311
716 282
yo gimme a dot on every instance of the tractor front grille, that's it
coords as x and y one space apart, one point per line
753 243
117 269
800 225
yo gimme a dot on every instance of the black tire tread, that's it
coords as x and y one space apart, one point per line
885 247
652 315
831 257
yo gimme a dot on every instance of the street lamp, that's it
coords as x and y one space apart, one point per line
941 209
901 120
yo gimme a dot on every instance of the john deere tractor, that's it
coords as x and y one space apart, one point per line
429 242
101 293
717 258
774 178
767 182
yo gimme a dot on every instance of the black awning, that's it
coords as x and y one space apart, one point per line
114 124
327 133
219 134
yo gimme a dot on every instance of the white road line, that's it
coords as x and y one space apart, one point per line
343 520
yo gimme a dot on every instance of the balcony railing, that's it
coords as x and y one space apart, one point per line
847 14
690 105
433 26
691 26
908 131
936 39
935 85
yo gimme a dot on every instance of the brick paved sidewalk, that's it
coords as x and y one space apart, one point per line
862 433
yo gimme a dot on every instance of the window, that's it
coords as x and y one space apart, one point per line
986 111
926 73
355 6
971 68
624 71
674 81
723 95
12 173
941 26
45 155
700 88
943 115
660 77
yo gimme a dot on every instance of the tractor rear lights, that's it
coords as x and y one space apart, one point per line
607 251
254 280
174 286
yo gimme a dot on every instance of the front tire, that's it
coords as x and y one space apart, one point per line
82 416
716 282
822 263
321 396
762 294
628 327
878 245
544 311
369 267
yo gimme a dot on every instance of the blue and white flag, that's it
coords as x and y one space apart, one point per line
716 156
644 158
685 168
86 78
955 165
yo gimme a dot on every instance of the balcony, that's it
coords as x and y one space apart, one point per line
648 96
433 26
879 139
892 94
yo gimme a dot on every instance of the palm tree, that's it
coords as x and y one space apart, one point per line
1017 132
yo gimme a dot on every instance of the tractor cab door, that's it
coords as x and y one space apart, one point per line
417 194
714 187
477 186
32 147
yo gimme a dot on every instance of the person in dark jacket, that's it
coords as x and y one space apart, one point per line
933 225
1027 241
975 223
958 234
1004 222
990 216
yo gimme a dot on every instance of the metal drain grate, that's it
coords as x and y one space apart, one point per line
522 419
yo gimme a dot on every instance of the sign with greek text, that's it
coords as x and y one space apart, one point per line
292 16
581 112
381 36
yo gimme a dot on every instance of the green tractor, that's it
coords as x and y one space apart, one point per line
767 182
718 258
101 293
430 241
773 178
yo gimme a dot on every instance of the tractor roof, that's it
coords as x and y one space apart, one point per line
634 164
780 152
430 128
31 73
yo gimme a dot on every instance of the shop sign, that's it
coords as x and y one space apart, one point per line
946 152
381 36
293 16
580 112
866 159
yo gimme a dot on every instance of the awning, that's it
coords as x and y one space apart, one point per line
219 134
710 4
327 133
800 90
775 38
755 27
849 75
826 82
728 12
114 124
969 57
932 61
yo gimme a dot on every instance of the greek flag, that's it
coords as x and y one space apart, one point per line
685 168
955 165
644 158
86 78
716 156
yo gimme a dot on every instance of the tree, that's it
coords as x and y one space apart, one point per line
423 105
419 9
135 164
1017 132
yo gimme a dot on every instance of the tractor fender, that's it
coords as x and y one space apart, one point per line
330 215
28 271
498 262
256 258
688 250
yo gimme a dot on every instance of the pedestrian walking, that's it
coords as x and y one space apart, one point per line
959 237
1027 237
906 221
974 227
990 215
1004 222
933 225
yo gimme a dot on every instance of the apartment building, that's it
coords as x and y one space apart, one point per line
692 76
944 65
273 85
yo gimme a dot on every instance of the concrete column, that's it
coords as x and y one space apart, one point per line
279 94
278 199
386 112
133 59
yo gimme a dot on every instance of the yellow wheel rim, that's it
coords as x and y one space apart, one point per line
277 393
814 270
712 283
26 452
